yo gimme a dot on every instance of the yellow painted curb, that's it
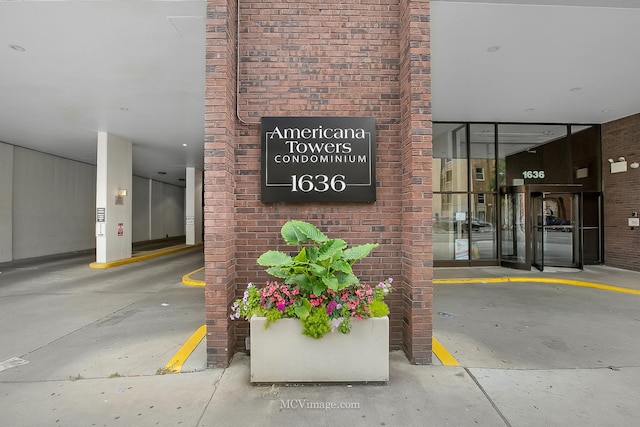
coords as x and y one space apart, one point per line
178 359
187 280
142 257
539 280
442 354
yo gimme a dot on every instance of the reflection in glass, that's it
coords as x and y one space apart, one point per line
449 157
450 231
484 243
513 227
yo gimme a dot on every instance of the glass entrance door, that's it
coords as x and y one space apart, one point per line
556 230
541 227
514 250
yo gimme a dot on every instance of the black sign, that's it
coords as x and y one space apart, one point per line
318 159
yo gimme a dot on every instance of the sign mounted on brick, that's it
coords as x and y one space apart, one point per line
318 159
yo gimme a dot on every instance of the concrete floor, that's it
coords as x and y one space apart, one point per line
531 353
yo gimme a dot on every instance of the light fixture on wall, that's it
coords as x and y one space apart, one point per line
634 165
122 192
619 166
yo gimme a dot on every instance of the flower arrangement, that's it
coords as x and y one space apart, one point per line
318 285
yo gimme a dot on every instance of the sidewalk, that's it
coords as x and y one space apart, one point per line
532 353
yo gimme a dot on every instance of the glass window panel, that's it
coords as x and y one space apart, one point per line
450 165
483 157
513 231
534 154
450 234
484 241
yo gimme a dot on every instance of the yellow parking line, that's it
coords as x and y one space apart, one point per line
187 280
539 280
442 354
142 257
178 359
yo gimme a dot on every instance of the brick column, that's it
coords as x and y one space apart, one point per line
417 250
219 248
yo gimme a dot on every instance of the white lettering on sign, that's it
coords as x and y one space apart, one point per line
318 132
319 183
533 174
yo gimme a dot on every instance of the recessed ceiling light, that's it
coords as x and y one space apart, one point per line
17 48
575 89
162 173
605 111
184 145
124 109
528 110
492 49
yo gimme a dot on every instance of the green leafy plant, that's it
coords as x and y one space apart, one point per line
320 265
318 284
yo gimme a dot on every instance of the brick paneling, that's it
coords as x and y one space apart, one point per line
621 138
416 186
333 58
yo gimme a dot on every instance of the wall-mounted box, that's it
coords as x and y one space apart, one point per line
618 167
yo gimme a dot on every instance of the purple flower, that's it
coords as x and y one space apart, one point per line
331 306
280 306
336 322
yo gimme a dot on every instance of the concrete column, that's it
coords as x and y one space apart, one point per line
113 198
193 206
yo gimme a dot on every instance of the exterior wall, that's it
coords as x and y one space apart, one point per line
53 204
6 207
49 205
167 210
158 210
141 209
621 138
311 58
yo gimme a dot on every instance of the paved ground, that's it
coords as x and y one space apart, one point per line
531 353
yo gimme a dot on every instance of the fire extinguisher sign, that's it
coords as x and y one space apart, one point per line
120 229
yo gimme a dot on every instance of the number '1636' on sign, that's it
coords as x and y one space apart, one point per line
320 183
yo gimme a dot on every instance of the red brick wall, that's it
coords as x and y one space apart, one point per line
416 185
219 181
320 58
621 138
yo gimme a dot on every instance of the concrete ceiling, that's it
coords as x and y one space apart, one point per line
136 69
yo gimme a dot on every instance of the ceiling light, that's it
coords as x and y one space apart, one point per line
17 48
575 89
124 109
180 179
492 49
184 145
528 110
162 173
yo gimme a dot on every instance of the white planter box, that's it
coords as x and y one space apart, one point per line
281 353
